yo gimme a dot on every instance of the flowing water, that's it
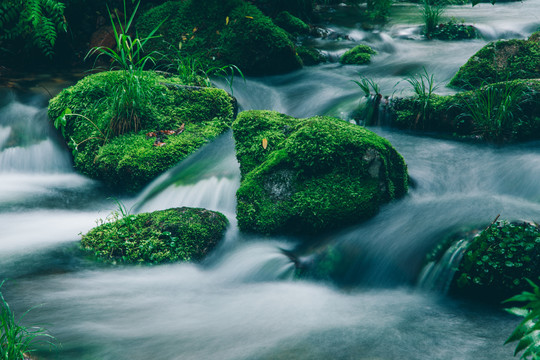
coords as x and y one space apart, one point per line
243 302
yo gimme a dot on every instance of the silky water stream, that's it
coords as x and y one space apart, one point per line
244 302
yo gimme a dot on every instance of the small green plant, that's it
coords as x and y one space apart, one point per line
17 341
527 333
368 111
60 123
129 54
493 109
431 14
367 85
424 87
132 94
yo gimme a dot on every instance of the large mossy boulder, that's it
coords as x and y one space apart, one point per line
497 261
501 60
178 234
220 33
311 175
501 112
130 161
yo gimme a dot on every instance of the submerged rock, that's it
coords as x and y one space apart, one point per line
163 106
313 174
220 33
501 60
178 234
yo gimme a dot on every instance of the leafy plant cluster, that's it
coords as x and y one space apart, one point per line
16 340
495 108
498 259
179 234
527 333
31 24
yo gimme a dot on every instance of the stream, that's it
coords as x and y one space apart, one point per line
244 302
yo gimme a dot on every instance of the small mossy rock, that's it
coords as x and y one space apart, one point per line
497 261
310 56
500 61
130 161
454 31
219 33
178 234
291 23
315 174
359 55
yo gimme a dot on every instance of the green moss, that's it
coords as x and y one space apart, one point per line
221 33
130 161
256 45
310 56
500 61
291 23
452 30
179 234
358 55
315 174
497 261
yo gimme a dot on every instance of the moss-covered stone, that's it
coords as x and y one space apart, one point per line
315 174
514 112
291 23
359 55
220 33
130 161
452 30
500 61
497 261
179 234
310 56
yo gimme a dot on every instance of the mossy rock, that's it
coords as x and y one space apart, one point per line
310 56
220 33
454 31
130 161
291 23
178 234
497 261
315 174
500 61
359 55
462 114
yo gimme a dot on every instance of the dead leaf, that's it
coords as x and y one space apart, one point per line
264 143
227 20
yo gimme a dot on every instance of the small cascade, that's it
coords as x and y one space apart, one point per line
208 178
26 142
437 276
42 157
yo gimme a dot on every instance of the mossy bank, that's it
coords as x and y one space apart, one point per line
501 61
219 33
128 162
500 113
311 175
178 234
